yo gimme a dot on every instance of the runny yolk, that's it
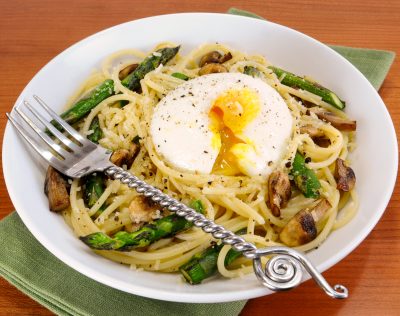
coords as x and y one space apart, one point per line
226 162
229 115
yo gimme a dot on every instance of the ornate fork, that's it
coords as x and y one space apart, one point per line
283 271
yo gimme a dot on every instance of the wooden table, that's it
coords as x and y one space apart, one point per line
33 32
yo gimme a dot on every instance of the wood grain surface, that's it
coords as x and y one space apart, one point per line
32 32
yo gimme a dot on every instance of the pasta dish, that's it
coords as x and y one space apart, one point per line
258 149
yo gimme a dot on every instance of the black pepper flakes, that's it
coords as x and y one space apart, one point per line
288 164
307 160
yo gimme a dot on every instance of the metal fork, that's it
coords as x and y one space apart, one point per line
79 156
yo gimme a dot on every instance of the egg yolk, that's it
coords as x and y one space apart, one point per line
230 113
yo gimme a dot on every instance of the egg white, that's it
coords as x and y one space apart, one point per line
180 126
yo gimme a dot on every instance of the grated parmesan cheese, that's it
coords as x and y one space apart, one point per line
156 215
158 69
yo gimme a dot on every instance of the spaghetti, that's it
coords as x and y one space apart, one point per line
235 202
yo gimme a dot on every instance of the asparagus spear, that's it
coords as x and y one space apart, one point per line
125 241
97 132
305 178
292 80
204 264
180 75
84 106
106 89
151 62
93 188
252 71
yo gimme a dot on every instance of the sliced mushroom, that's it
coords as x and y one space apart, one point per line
311 130
316 134
209 58
302 228
345 176
56 189
126 157
279 191
322 141
226 57
142 210
211 69
126 71
214 57
340 123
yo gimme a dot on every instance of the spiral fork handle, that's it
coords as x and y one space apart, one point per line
282 272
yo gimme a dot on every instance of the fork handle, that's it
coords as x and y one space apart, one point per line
282 272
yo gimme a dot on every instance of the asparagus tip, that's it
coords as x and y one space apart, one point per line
99 241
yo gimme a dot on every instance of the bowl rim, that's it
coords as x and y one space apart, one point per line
164 294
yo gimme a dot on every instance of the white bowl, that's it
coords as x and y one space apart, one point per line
374 160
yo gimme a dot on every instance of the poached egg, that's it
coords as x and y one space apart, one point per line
224 123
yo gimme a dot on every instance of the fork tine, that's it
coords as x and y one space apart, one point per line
60 121
57 148
65 140
46 154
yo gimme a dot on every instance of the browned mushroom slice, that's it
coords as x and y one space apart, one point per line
301 228
212 68
340 123
322 141
209 58
226 57
316 134
126 71
55 187
126 157
311 130
279 191
214 57
345 176
142 210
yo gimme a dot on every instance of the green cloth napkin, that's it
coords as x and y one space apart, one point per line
26 264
